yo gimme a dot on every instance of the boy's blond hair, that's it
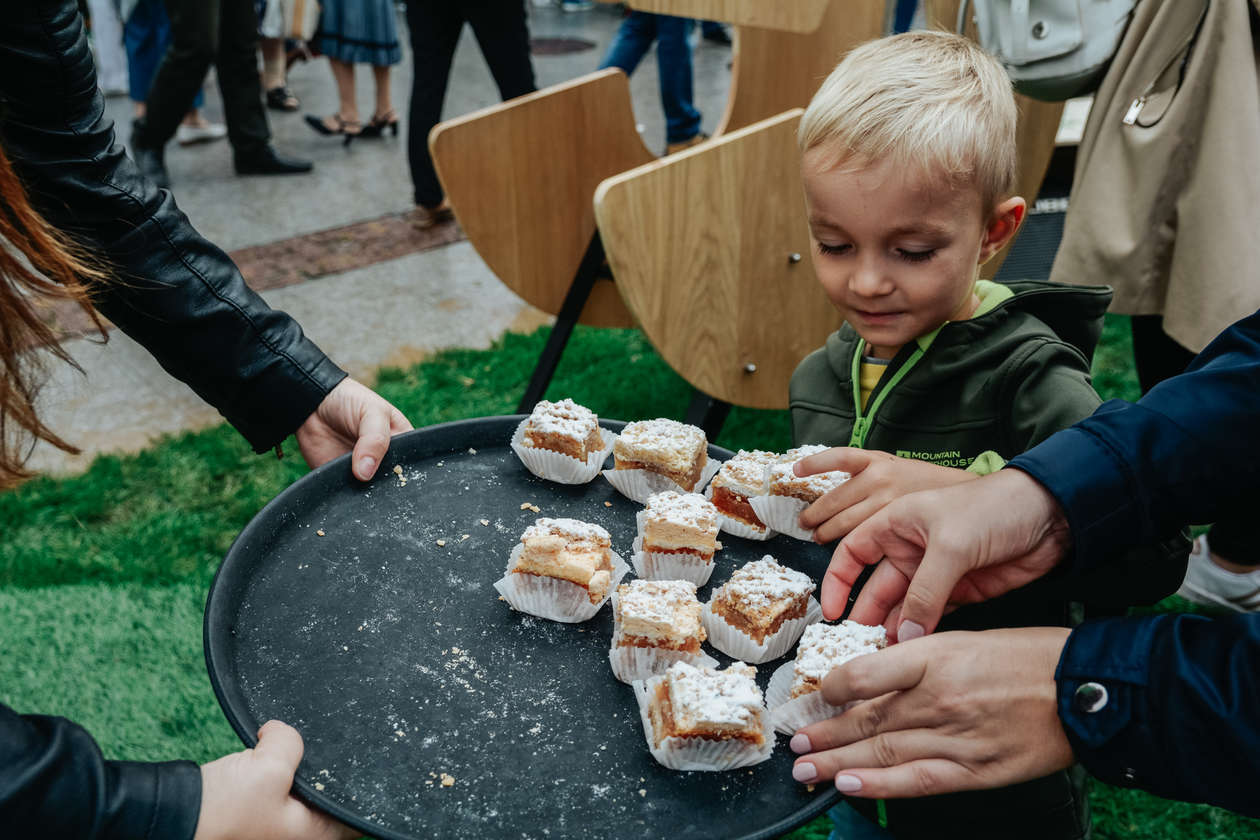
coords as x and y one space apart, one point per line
931 100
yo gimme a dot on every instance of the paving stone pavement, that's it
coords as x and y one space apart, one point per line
334 248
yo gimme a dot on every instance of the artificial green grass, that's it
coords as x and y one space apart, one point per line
103 575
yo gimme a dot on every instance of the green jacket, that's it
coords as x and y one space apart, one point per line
992 386
1000 382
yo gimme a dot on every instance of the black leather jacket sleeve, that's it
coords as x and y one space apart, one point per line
55 784
175 293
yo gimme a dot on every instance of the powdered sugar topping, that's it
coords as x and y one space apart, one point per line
690 509
764 582
573 529
656 600
824 646
670 440
702 696
781 471
746 472
563 418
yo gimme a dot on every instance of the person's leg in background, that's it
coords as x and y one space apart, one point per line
503 35
194 40
236 64
145 35
434 26
107 44
715 32
633 39
1224 567
384 117
673 61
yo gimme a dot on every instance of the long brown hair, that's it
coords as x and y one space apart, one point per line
38 264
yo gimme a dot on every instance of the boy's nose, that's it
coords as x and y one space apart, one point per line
868 279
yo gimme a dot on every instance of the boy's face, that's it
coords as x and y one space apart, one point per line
897 254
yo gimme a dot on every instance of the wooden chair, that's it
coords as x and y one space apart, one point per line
520 177
710 250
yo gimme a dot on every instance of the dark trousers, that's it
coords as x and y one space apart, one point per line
1159 357
499 26
205 32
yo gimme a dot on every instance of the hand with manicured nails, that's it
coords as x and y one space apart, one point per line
352 416
877 479
245 795
944 548
950 712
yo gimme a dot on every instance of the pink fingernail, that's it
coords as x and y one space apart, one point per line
848 784
804 772
908 630
367 466
800 743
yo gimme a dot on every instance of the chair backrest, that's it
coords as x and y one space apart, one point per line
521 175
710 248
775 70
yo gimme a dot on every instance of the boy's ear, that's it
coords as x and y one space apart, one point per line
1003 225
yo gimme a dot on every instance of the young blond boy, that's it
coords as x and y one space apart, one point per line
908 162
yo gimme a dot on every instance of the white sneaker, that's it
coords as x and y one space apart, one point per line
187 135
1207 583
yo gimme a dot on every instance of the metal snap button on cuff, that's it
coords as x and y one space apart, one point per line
1090 697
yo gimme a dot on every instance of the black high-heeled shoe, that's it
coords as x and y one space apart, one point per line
381 123
350 129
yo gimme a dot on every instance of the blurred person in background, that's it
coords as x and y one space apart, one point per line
435 25
358 32
205 32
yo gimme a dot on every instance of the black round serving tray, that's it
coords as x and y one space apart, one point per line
337 611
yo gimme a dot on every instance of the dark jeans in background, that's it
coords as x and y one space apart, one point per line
673 65
146 35
435 25
204 32
1159 357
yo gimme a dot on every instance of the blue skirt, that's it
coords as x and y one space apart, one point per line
358 32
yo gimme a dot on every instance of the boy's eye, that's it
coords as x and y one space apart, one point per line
916 256
832 250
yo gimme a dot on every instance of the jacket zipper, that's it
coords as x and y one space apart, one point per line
862 422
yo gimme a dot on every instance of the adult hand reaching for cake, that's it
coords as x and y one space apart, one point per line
878 478
939 553
351 416
955 711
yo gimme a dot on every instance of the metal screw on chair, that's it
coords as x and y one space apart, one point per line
794 258
1040 30
750 368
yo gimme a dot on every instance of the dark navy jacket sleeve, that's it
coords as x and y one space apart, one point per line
1187 452
1181 716
176 294
1170 704
55 784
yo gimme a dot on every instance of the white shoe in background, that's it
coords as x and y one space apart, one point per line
187 135
1207 583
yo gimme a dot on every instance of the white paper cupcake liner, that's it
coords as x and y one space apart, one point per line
737 528
780 514
636 663
697 753
558 467
739 645
657 565
552 598
639 484
788 714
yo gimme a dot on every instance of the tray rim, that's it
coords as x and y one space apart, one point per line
211 631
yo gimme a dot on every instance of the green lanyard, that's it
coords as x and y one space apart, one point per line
862 421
